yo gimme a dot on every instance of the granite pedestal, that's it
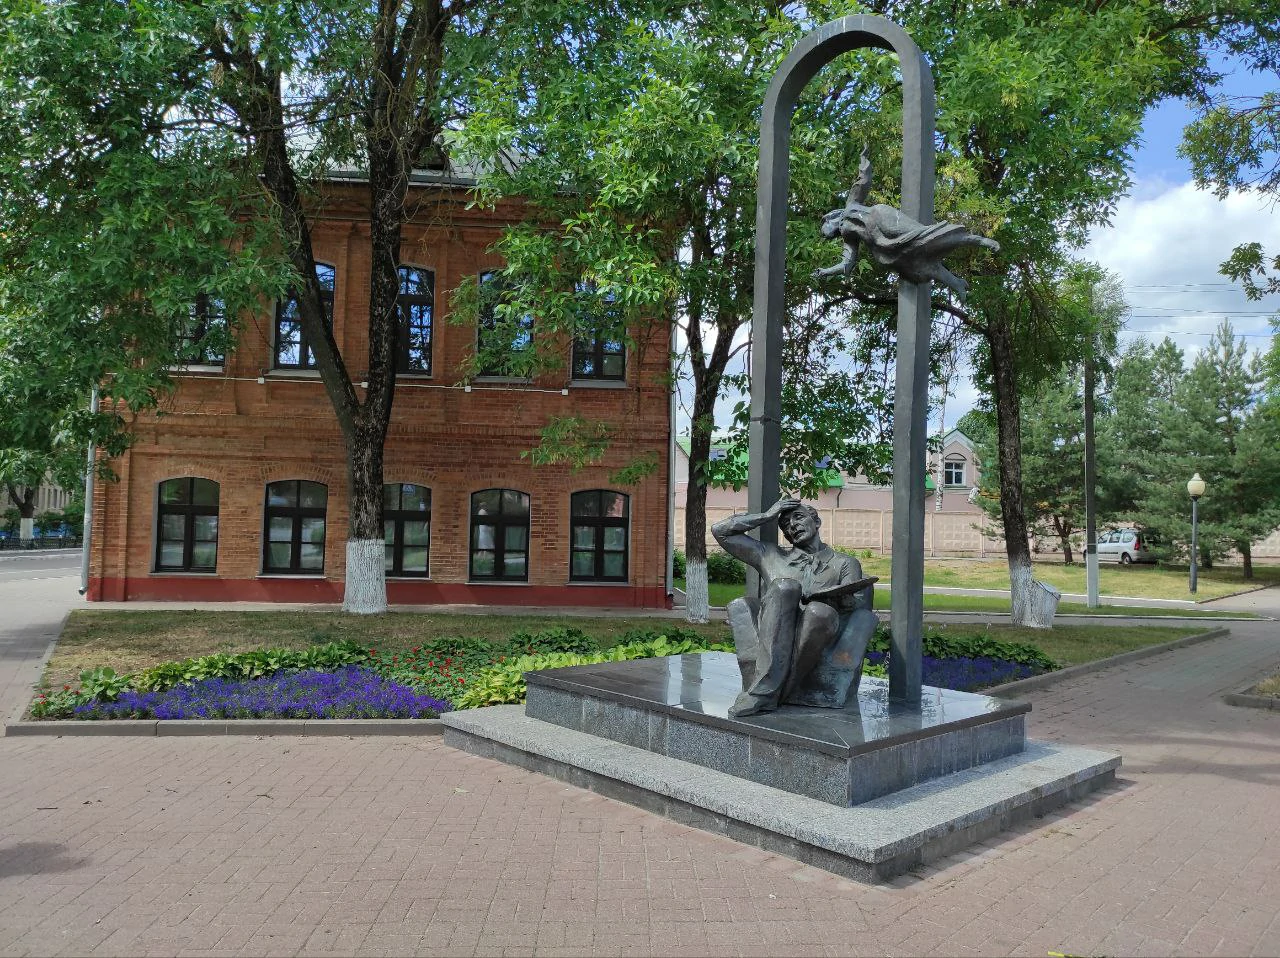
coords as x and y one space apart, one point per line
867 791
679 706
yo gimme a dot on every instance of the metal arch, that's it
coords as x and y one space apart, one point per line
911 396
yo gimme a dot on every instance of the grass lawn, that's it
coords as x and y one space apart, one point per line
1141 581
722 594
130 641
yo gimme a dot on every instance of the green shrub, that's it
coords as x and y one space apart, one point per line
942 644
677 564
557 639
503 684
724 569
672 633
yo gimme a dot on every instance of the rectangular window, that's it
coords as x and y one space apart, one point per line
293 348
406 526
953 473
294 520
202 336
599 351
600 358
600 525
500 338
416 302
500 535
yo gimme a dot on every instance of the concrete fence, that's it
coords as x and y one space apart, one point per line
945 533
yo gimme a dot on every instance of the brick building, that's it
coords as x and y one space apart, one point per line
238 491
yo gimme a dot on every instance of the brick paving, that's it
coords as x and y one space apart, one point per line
216 846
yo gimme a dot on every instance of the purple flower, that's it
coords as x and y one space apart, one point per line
348 692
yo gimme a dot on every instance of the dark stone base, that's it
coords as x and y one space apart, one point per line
679 707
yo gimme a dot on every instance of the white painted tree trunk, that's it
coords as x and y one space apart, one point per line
366 587
1033 604
26 529
697 603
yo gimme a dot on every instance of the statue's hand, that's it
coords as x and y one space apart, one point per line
785 504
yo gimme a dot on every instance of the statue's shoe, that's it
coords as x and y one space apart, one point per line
747 704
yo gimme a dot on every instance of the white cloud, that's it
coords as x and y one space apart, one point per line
1166 247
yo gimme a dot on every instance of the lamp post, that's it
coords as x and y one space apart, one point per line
1195 489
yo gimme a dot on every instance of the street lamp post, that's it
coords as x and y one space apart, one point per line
1195 489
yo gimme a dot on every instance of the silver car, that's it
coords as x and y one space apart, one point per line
1125 546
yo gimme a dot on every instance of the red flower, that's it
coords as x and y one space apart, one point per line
66 688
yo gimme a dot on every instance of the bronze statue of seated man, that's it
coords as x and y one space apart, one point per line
803 641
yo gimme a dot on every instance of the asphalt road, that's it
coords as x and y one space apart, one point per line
51 564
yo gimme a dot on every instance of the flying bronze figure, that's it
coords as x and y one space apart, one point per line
894 239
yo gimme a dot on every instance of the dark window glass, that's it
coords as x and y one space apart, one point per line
293 350
500 535
498 337
406 528
203 335
599 529
416 302
601 353
953 473
187 540
293 533
599 358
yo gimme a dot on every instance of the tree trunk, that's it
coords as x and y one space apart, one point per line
1004 378
1246 552
26 505
697 603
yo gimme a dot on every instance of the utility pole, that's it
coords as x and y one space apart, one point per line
1090 478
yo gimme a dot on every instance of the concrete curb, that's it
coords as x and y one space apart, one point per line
1232 595
1245 699
1037 682
310 728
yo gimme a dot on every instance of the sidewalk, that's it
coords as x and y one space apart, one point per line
211 846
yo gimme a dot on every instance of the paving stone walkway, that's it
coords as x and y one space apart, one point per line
217 846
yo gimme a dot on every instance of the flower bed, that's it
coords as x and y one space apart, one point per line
351 692
965 673
343 680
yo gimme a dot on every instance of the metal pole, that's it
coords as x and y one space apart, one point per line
1090 479
87 531
1195 547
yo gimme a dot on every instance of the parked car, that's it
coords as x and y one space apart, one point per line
1124 546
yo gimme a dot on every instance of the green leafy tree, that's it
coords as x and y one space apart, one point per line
1220 426
1234 144
159 149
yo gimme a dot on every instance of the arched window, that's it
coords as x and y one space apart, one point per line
294 520
600 525
500 535
953 469
293 349
187 512
416 302
406 527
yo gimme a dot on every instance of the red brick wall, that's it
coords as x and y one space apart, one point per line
227 426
